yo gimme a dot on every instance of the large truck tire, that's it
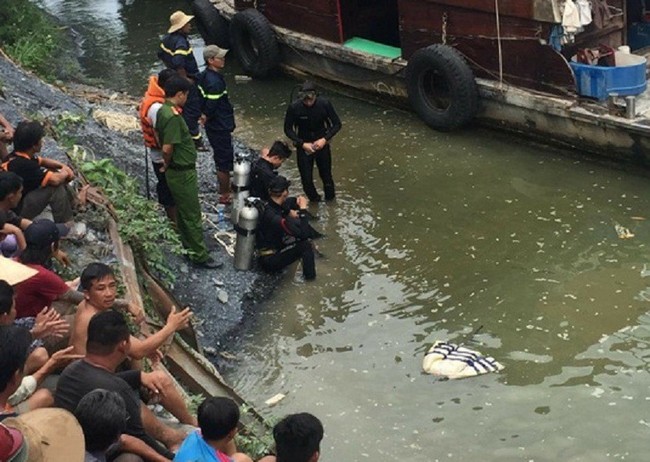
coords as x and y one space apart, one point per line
213 27
254 42
441 87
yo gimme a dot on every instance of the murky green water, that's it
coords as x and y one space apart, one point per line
435 237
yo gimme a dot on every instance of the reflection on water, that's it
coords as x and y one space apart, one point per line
472 237
118 38
440 236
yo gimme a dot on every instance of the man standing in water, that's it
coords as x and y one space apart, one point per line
219 116
179 165
311 122
176 53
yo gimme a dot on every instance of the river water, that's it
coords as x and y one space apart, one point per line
474 237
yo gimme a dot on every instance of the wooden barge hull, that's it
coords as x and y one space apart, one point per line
553 120
567 120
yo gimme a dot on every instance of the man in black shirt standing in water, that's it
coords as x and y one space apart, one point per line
311 122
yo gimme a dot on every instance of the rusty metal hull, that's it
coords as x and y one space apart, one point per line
551 119
563 120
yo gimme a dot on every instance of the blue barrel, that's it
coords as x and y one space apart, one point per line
625 79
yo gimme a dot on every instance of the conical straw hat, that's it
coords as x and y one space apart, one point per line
14 272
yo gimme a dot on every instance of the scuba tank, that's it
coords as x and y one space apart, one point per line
240 177
246 226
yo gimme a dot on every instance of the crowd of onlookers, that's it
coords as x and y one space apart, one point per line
71 386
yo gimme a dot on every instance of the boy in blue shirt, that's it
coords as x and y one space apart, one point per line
218 418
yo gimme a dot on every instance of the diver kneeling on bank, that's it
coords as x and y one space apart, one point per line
284 236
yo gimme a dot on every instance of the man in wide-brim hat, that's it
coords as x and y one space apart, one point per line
176 53
178 20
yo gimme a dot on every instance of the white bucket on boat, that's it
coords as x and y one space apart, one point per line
627 59
624 49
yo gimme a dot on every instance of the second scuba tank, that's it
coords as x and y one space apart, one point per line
240 178
246 226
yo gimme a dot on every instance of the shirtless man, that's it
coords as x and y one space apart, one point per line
100 291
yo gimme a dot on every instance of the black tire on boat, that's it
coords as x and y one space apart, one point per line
212 25
441 87
254 43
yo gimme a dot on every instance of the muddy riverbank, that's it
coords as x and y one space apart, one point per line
25 96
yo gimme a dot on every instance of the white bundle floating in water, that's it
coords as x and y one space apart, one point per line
457 362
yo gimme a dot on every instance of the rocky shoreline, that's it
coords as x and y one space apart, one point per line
23 95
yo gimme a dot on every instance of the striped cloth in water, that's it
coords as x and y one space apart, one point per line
456 362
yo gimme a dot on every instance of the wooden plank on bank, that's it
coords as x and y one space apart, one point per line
164 301
200 376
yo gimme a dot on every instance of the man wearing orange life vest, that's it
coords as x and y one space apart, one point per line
151 103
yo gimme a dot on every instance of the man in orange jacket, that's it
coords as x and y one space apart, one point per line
151 102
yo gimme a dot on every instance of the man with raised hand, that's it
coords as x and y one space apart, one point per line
100 293
108 345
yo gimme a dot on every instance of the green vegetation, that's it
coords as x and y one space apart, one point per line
139 220
60 129
254 446
30 37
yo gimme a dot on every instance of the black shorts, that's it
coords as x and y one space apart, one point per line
165 197
221 142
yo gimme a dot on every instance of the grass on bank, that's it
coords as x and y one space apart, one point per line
140 221
30 37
